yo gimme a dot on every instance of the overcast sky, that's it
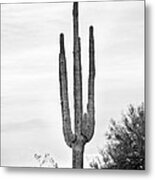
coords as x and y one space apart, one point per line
30 104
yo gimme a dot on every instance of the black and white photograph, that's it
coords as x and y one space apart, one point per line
73 85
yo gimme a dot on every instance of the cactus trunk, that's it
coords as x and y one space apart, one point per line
84 123
77 156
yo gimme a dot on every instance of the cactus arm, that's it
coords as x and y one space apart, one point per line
77 73
68 135
91 82
88 122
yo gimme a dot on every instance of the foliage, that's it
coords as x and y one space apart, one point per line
46 160
125 147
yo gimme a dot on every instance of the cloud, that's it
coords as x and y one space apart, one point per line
19 127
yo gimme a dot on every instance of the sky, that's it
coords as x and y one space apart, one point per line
31 120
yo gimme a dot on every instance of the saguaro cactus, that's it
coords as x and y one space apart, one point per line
84 123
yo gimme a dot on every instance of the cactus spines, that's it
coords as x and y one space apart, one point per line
84 123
